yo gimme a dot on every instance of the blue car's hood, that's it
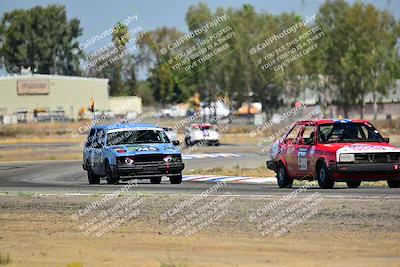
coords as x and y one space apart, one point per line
137 149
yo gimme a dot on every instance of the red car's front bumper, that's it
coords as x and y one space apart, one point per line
365 171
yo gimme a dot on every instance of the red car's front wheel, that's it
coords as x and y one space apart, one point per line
324 176
284 181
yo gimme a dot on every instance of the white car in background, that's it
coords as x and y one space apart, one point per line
203 133
217 109
173 112
171 133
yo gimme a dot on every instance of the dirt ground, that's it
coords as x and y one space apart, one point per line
41 230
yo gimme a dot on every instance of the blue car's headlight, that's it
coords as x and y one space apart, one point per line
172 158
167 158
129 161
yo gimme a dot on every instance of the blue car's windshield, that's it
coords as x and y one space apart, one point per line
136 137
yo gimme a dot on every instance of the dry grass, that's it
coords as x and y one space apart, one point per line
5 259
41 129
44 139
41 153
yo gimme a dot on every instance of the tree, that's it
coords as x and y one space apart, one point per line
235 74
116 64
40 38
143 91
130 77
162 81
331 17
120 38
363 56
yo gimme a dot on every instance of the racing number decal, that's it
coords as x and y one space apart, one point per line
302 160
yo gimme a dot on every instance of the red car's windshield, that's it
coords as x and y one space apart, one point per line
348 132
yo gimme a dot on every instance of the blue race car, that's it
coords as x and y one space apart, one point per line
131 151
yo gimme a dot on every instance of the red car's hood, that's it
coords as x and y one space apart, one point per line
363 147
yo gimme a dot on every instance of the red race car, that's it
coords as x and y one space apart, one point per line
348 151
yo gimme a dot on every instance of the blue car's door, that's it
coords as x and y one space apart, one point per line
97 154
87 151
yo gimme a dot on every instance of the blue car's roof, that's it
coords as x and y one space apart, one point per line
125 125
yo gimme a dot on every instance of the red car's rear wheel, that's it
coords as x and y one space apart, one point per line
353 184
393 183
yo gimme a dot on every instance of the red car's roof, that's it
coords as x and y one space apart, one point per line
326 121
201 125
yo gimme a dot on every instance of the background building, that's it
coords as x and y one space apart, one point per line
52 97
122 105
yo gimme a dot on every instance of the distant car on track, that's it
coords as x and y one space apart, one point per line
203 133
132 151
348 151
173 112
171 133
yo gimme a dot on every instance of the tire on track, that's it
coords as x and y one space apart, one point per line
175 179
324 176
155 180
353 184
393 183
112 178
92 178
284 181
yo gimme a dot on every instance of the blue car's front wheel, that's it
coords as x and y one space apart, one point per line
155 180
112 178
93 179
175 179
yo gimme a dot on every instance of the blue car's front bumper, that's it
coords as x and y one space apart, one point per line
149 169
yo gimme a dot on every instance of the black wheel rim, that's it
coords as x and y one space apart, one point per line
108 172
322 174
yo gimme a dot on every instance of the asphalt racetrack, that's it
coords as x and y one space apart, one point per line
68 177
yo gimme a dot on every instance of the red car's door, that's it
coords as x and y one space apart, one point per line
304 148
290 147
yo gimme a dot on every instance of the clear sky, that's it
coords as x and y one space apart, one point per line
97 16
